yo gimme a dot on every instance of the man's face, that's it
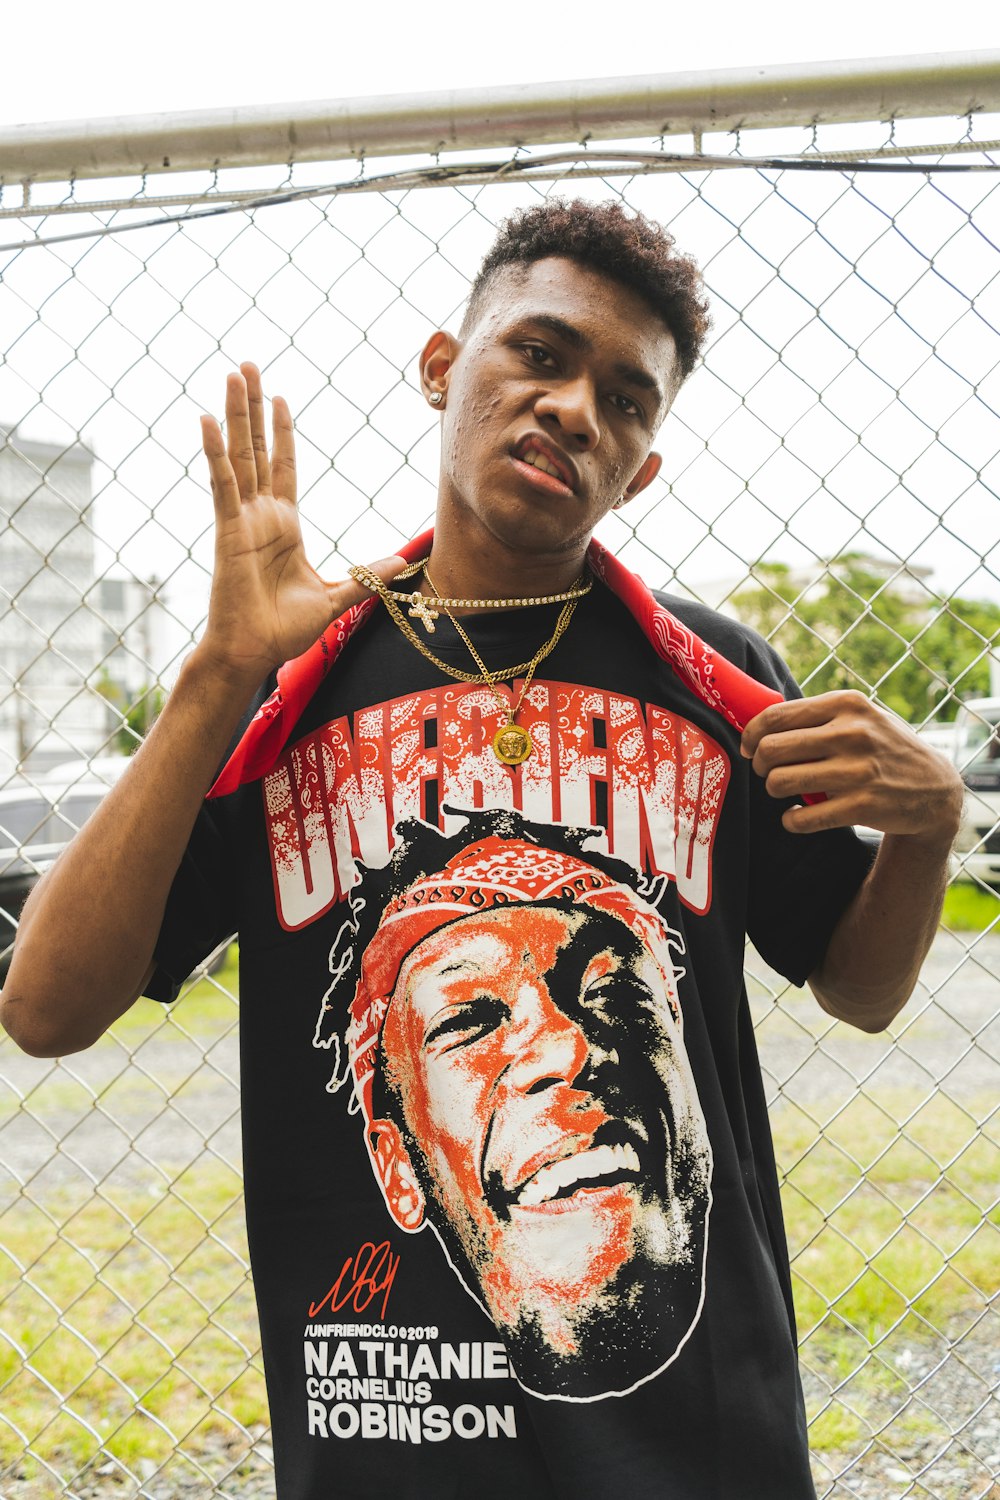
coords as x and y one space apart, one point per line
534 1056
562 364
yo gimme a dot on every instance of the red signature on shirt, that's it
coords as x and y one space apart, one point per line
364 1277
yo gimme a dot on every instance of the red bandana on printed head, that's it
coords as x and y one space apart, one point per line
491 872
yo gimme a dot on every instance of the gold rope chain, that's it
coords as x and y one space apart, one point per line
484 678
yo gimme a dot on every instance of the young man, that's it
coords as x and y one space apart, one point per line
491 868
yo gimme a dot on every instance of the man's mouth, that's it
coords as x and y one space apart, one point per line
607 1165
543 459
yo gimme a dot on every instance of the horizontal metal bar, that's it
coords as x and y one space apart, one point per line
957 83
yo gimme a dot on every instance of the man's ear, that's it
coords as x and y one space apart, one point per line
391 1161
436 361
643 476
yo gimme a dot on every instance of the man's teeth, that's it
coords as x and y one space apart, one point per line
541 462
600 1161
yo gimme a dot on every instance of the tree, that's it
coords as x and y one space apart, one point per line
853 628
135 717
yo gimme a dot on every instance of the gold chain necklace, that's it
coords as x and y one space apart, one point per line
426 608
511 743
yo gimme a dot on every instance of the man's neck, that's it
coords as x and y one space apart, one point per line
467 567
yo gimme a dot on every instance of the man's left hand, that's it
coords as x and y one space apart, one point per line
872 767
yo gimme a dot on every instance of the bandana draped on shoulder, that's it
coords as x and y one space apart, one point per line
727 689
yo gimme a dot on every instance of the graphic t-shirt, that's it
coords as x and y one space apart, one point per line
512 1204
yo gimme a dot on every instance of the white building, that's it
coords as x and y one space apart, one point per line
63 631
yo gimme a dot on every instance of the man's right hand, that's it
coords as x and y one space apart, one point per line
268 604
87 935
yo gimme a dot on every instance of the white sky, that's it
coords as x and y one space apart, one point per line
729 503
65 60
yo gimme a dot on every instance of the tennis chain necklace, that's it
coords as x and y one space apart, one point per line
511 743
426 608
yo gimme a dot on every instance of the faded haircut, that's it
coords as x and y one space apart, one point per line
635 251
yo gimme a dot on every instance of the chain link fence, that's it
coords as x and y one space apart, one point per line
831 473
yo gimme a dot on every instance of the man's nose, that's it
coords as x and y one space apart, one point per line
551 1048
572 408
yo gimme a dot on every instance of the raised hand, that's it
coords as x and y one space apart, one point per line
267 603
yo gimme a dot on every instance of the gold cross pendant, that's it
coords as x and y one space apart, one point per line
421 610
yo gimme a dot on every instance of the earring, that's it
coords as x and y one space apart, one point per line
435 398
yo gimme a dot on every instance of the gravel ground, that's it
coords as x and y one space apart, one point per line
948 1040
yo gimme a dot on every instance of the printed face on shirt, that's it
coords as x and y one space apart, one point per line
550 1124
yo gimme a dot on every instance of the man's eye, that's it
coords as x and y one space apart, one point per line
627 405
461 1025
538 354
617 995
602 996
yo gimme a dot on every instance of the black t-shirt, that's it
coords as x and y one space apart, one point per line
512 1203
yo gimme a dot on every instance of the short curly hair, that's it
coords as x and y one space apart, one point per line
631 249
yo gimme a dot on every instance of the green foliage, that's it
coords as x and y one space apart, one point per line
969 908
857 628
137 715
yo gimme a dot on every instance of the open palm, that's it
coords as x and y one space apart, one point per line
267 603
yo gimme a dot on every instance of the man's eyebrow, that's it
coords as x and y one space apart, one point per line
458 964
566 331
633 375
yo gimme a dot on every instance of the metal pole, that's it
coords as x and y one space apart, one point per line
957 83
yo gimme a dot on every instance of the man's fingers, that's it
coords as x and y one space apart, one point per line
283 472
799 747
835 812
240 437
258 430
225 491
830 776
796 713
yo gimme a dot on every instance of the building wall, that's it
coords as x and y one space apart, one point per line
49 639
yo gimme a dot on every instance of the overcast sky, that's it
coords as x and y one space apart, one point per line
67 61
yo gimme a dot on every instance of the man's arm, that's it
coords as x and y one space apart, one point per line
875 772
84 949
85 941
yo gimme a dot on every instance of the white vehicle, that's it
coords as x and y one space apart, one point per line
38 817
977 756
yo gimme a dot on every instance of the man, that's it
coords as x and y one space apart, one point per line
517 1053
661 727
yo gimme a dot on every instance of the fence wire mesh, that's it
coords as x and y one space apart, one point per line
831 474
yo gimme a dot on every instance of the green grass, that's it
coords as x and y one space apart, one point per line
157 1339
969 908
893 1234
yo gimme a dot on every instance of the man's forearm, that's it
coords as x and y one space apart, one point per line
874 957
86 937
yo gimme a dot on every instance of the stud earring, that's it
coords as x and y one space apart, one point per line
435 398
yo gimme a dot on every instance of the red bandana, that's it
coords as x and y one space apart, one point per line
716 681
491 872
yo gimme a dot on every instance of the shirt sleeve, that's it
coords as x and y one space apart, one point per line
800 884
201 910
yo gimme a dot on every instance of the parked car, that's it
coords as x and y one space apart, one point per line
38 817
977 756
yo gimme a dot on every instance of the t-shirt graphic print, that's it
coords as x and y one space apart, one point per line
514 1043
511 1200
